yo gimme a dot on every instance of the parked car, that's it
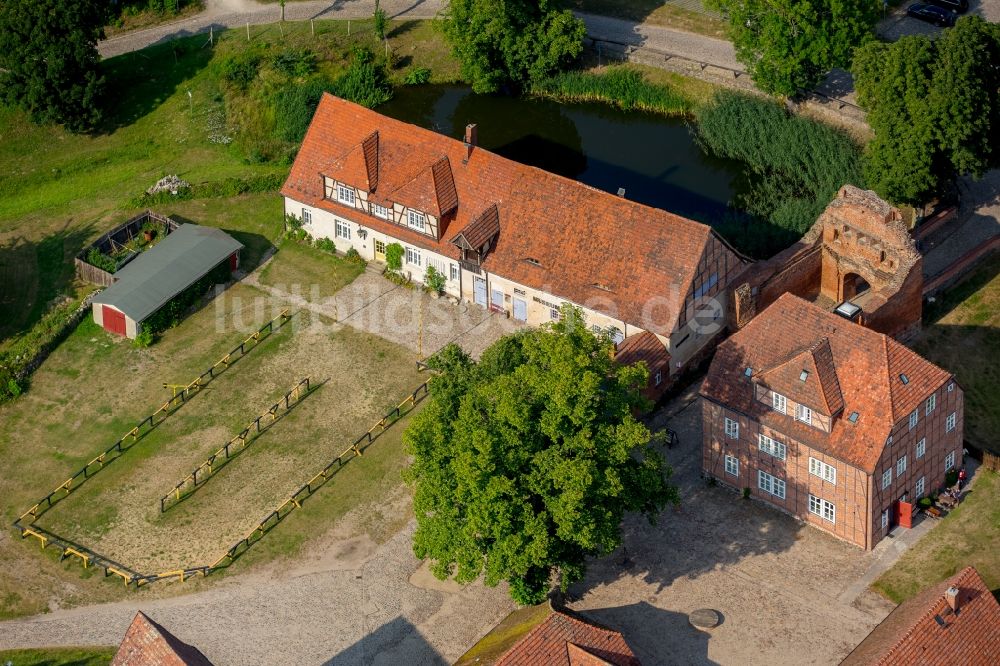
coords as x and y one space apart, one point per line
956 6
932 14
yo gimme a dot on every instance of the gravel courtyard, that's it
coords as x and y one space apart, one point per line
787 593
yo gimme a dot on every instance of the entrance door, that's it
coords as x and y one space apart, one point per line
380 250
114 320
905 510
496 300
479 291
520 310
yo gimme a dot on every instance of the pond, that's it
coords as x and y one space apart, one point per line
655 158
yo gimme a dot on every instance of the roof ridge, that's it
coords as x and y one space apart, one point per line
931 609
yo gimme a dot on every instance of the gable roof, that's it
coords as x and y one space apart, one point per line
565 640
866 364
580 236
925 630
175 263
482 228
643 347
148 644
810 376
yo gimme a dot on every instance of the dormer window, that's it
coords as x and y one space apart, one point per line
415 220
345 195
380 211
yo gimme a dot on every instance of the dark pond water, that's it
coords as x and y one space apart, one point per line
655 158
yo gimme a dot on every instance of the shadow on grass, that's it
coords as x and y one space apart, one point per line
34 273
139 82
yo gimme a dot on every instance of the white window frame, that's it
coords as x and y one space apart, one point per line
900 467
453 272
919 490
949 461
345 195
930 404
379 210
822 508
732 428
804 414
732 465
886 478
659 377
822 470
770 484
949 422
341 229
885 519
416 220
779 402
412 254
771 447
307 217
921 447
914 417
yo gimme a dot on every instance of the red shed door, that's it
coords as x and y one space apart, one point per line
114 321
234 262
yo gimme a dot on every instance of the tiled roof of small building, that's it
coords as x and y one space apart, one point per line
925 631
148 644
576 235
643 347
565 640
810 376
868 366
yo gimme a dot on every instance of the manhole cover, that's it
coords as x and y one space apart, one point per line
705 618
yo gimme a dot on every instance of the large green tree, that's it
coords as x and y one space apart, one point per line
525 462
934 107
513 42
49 64
790 45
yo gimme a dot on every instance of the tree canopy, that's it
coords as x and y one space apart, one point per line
525 462
934 106
790 45
512 42
49 65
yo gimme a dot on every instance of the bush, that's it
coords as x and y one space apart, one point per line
394 256
326 245
397 278
746 493
295 62
798 164
417 76
227 187
381 21
294 106
143 339
622 86
97 258
20 352
951 478
171 313
366 81
355 257
241 68
434 279
925 502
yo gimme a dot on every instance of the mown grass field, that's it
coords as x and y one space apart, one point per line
960 331
59 657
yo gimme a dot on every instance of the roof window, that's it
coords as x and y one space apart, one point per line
748 372
853 418
904 379
804 375
533 261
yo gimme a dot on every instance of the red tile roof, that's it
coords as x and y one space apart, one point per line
565 640
643 347
148 644
867 366
925 631
810 376
579 235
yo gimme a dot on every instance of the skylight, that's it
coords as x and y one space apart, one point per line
904 379
853 418
748 372
804 375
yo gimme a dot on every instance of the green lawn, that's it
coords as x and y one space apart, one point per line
962 334
59 657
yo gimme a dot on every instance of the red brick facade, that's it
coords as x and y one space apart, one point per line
842 417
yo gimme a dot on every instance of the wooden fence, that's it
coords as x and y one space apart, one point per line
25 523
215 462
118 236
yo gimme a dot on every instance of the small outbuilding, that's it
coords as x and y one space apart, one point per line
155 277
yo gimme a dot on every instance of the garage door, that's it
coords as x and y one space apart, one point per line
114 321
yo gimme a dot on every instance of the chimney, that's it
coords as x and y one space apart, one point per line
951 596
471 139
621 192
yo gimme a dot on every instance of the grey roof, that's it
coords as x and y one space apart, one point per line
150 280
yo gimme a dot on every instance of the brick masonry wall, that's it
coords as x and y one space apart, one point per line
849 493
